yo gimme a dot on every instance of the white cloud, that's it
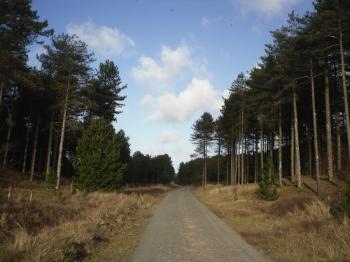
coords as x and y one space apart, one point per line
145 149
157 74
105 41
226 93
205 21
168 137
199 96
265 7
182 152
147 101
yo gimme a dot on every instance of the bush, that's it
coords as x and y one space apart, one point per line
97 159
268 184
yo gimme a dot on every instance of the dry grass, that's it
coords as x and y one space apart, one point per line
64 227
297 227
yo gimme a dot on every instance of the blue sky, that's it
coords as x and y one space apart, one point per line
178 58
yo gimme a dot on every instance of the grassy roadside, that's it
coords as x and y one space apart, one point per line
59 226
297 227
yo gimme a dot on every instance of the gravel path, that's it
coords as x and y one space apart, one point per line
183 229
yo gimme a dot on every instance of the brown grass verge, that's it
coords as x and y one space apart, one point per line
297 227
59 226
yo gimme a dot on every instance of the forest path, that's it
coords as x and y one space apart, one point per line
183 229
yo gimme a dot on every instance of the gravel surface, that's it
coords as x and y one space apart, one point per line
183 229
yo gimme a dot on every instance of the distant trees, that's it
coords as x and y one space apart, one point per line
97 159
144 169
191 172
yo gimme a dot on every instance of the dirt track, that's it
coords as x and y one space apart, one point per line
183 229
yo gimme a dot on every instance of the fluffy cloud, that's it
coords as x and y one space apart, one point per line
145 149
200 95
168 137
105 41
147 101
265 7
158 73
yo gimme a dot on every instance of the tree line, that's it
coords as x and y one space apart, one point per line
58 118
290 113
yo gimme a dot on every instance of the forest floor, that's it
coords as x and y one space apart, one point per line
297 227
41 224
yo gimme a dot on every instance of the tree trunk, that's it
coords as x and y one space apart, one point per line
49 146
345 91
232 165
25 151
233 153
203 174
261 152
280 147
329 130
256 160
60 150
310 153
219 154
237 165
270 154
9 131
296 133
243 145
339 156
292 152
227 171
266 151
246 176
205 164
1 90
35 143
314 122
240 154
40 161
55 150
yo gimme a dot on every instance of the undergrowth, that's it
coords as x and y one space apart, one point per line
296 227
64 227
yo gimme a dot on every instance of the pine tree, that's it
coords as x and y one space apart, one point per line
268 184
97 159
218 137
69 61
20 26
103 93
202 136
